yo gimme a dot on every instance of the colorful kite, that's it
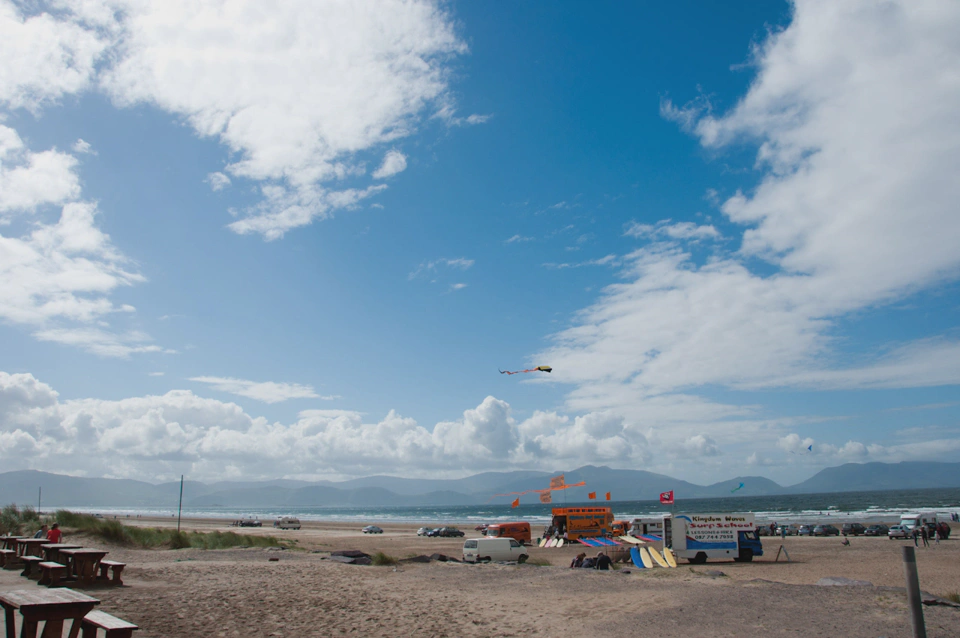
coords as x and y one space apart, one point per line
556 483
537 369
737 488
809 450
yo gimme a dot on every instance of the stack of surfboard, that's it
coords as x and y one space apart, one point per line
645 557
550 542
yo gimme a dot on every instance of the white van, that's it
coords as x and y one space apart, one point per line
484 550
287 522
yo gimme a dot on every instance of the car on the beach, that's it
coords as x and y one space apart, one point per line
372 529
423 531
826 530
764 530
449 532
852 529
899 531
787 530
876 530
805 530
250 522
434 532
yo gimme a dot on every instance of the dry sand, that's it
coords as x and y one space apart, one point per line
240 592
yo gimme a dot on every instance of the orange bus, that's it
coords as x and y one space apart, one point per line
620 528
519 531
577 522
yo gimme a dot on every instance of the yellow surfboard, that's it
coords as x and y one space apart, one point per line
630 539
671 559
543 542
645 557
657 557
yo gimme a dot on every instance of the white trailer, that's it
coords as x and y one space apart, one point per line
697 537
914 519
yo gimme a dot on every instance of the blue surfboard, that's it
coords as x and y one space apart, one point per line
635 557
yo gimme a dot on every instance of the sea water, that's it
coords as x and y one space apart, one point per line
833 507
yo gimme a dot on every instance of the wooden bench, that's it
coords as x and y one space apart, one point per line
29 562
6 555
113 626
117 569
51 573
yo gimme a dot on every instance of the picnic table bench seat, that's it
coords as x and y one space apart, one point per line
6 555
113 626
116 568
51 573
29 562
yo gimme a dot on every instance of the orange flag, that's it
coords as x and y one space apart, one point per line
608 496
556 481
592 495
516 502
546 497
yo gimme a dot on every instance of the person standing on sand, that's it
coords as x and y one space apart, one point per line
924 535
915 535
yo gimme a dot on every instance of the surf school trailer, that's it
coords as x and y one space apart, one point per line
698 537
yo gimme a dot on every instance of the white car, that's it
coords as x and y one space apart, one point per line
423 531
372 529
899 531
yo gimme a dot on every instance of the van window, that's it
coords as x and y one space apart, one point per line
493 532
514 543
470 545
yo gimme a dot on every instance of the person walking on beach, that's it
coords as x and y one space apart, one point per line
916 534
924 536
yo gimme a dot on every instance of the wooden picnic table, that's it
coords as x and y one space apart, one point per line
83 563
10 542
30 546
51 551
51 605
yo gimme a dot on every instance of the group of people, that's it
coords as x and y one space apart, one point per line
923 533
602 561
52 534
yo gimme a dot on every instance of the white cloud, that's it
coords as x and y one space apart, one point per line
393 162
29 180
459 286
101 342
854 110
518 238
606 260
83 147
267 391
297 92
428 268
681 231
217 180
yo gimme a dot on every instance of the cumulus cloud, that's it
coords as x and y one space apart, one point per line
393 162
429 268
83 147
218 181
853 111
298 93
29 180
266 391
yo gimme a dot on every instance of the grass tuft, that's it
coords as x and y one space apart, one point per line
383 559
539 562
14 520
953 597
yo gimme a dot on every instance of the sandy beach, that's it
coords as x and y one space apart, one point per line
241 592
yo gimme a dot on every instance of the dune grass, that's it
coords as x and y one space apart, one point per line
953 597
16 521
539 562
151 537
383 559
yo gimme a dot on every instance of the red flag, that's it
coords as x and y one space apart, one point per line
556 481
546 497
667 498
592 495
608 496
516 502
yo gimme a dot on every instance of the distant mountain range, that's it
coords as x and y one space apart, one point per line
22 487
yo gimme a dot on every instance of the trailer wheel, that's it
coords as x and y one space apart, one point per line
699 559
746 555
483 559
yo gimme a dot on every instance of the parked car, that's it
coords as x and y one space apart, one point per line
423 531
764 530
250 522
805 530
449 532
899 531
372 529
876 530
434 532
852 529
791 530
826 530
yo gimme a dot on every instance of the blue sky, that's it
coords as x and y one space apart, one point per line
257 242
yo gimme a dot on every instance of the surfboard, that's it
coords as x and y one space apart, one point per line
657 557
542 542
645 557
550 542
560 543
635 557
671 559
631 540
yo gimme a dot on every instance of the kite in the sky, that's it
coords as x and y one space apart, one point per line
809 450
537 369
737 488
